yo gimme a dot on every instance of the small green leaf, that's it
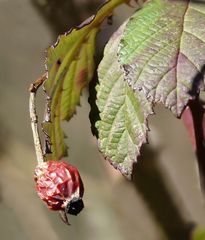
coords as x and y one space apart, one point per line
162 51
57 136
70 67
122 126
67 76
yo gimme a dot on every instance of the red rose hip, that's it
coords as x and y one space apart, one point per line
60 186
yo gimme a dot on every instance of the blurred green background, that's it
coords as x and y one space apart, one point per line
115 209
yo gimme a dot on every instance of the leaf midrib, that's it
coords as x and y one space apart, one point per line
177 59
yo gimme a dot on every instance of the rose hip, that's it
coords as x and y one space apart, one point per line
60 186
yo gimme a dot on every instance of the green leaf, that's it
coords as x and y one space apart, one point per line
162 52
67 76
70 67
122 126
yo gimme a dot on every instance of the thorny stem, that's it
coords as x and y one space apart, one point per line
34 118
194 121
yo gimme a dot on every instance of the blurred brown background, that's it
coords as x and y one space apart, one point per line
115 208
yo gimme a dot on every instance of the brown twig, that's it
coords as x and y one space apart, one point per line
34 118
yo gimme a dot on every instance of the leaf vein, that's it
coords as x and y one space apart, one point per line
154 55
194 36
112 126
197 10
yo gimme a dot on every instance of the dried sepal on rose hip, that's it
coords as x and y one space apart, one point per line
60 186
